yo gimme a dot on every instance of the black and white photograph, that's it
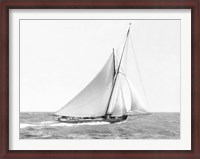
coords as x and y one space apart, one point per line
99 79
95 80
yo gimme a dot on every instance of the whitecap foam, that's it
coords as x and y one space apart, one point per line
46 122
95 123
55 124
27 125
61 124
79 124
121 122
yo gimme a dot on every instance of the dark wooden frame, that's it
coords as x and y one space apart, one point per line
98 4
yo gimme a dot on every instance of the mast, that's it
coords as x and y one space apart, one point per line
114 62
115 77
124 48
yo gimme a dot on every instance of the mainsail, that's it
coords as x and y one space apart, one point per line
92 101
104 95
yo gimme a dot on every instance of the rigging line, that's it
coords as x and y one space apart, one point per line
121 43
140 76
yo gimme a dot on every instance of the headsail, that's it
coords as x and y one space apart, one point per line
93 100
120 108
115 93
137 105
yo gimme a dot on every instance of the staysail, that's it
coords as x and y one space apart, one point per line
93 100
120 108
115 93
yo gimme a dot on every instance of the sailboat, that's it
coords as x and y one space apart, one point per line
103 98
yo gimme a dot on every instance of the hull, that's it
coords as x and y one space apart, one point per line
88 120
116 119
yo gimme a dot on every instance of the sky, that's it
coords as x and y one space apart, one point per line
58 58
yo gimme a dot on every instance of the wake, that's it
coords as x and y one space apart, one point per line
55 124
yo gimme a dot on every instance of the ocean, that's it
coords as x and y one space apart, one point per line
40 125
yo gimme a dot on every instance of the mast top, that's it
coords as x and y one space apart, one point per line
129 28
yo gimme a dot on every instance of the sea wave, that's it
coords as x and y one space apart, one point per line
154 126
